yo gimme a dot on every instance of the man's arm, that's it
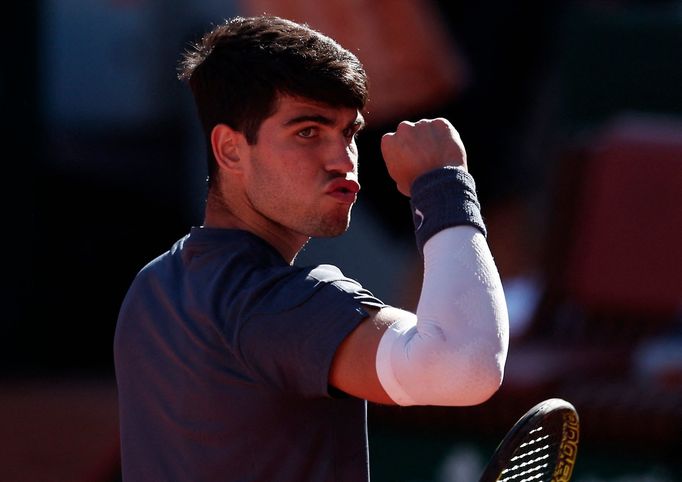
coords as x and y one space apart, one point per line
453 350
354 366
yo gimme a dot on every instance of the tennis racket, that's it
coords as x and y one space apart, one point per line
541 446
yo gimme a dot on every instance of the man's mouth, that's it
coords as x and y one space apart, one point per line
344 190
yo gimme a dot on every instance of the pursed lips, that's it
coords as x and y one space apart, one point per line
344 190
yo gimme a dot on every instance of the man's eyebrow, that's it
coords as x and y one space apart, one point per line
319 119
357 123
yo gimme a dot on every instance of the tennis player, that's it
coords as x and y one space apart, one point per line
234 365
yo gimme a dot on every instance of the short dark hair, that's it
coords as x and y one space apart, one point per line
238 69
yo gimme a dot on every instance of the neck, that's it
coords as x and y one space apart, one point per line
218 214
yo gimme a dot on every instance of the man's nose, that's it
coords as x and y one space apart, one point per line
343 158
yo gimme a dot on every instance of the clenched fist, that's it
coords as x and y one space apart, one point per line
417 148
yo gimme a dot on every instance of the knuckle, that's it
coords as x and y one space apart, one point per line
405 125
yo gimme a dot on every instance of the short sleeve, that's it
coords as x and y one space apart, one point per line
292 326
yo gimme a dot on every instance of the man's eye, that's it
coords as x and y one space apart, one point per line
351 133
307 132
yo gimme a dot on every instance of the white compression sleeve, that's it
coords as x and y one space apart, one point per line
455 351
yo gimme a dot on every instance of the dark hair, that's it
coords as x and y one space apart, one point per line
237 70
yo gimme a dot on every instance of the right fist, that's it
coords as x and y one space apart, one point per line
417 148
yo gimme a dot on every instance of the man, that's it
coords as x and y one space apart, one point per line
232 364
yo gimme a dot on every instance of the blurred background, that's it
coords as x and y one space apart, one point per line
571 113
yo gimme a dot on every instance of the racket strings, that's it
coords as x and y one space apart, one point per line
532 460
540 447
534 447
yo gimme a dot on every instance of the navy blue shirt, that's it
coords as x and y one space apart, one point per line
222 353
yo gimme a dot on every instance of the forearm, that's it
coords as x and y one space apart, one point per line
454 352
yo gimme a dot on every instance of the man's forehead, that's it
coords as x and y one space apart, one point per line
293 107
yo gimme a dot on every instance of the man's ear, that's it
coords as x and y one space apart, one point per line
227 144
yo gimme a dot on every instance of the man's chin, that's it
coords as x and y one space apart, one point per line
330 232
331 225
331 229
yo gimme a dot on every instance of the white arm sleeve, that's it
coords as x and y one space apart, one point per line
454 352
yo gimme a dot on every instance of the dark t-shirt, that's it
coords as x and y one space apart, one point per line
222 354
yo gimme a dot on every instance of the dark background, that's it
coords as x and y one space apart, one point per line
104 170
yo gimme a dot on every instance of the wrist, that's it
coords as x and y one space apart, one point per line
444 198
